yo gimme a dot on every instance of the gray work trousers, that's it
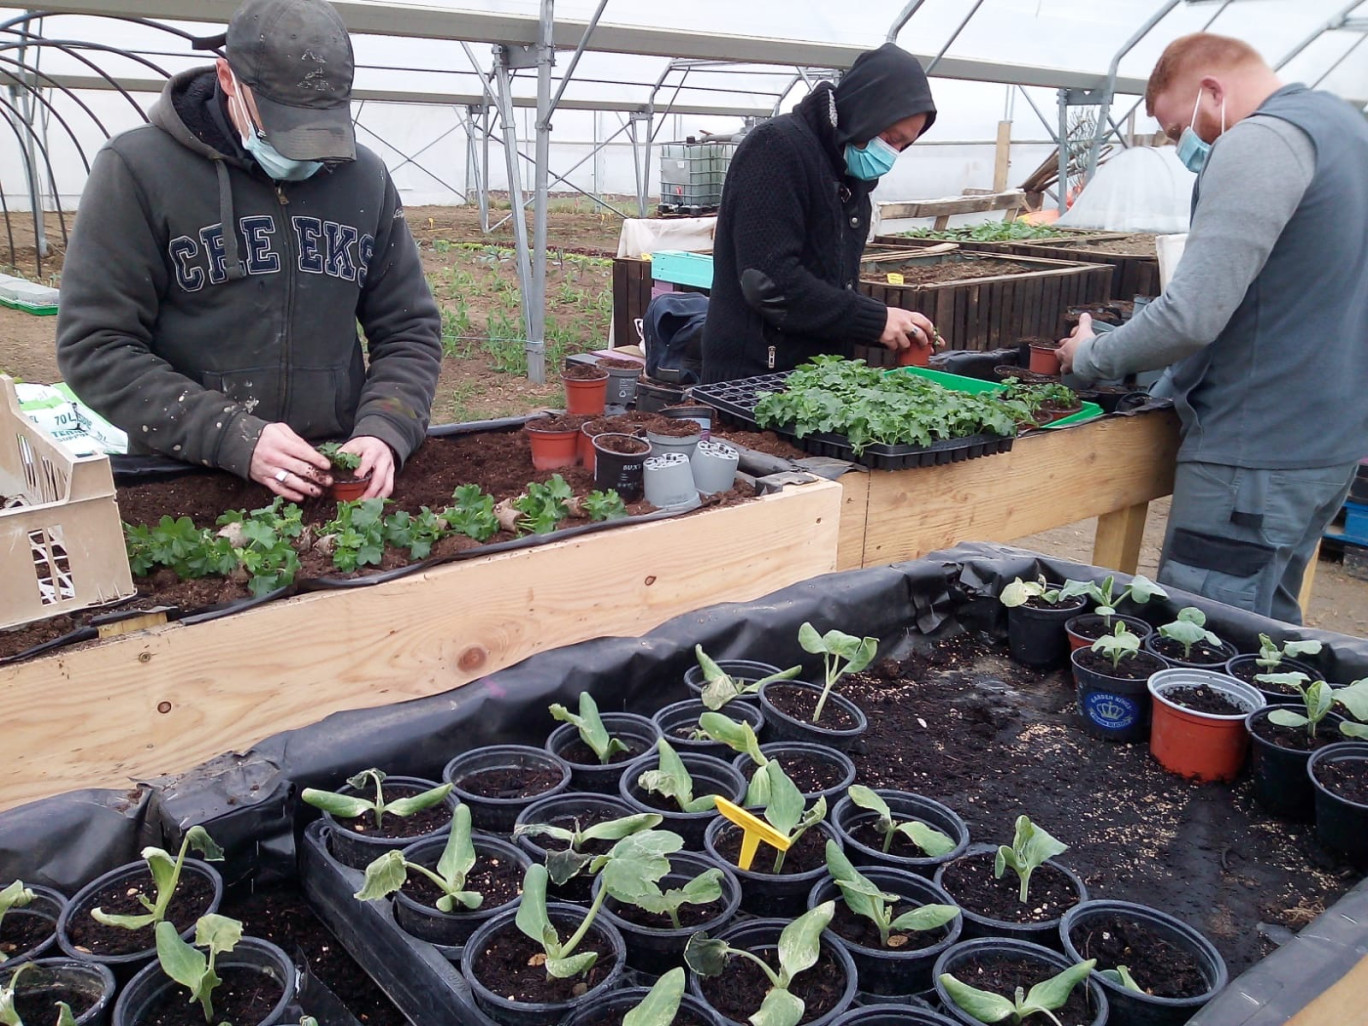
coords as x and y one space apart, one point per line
1244 536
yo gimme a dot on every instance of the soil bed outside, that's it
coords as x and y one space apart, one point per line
1161 968
191 900
947 271
960 723
740 988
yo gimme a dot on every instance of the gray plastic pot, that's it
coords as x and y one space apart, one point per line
780 726
86 987
622 384
664 444
714 466
668 479
146 989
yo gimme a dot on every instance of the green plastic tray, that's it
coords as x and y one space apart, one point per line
976 386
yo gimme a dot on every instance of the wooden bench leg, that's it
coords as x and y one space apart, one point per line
1309 580
1117 546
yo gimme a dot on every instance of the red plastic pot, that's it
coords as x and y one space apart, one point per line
1044 359
552 450
586 395
584 448
1076 641
1201 746
914 356
347 491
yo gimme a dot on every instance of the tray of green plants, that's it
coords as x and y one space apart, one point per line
1050 405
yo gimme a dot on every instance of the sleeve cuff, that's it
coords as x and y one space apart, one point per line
867 323
379 427
237 443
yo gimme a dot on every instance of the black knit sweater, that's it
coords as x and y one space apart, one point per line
786 256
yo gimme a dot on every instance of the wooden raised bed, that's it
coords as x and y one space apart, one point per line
986 313
162 700
631 296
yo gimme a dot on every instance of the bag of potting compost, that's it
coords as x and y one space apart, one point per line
66 419
674 337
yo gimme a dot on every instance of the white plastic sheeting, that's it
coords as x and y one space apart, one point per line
1144 189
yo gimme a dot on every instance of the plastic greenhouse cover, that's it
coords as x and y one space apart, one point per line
1144 189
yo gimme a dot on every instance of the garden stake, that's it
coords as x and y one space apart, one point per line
753 831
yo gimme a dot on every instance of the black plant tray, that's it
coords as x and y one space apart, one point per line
735 401
423 980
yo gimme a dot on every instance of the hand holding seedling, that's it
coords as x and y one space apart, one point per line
288 465
1068 348
377 463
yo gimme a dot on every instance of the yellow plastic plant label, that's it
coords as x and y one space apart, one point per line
894 278
753 831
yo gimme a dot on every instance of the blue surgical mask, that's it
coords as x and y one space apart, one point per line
1192 148
874 161
276 165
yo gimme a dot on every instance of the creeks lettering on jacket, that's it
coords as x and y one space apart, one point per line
321 247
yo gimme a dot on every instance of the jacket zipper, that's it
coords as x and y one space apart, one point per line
289 303
771 357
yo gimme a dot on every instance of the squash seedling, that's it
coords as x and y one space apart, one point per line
925 837
1354 698
842 654
629 870
1031 847
703 889
1316 701
1140 590
16 895
798 950
387 874
1019 592
1120 644
1271 655
562 865
784 809
166 874
1189 629
9 1015
349 806
1121 976
864 898
740 737
661 1005
590 726
1045 998
671 779
192 968
719 688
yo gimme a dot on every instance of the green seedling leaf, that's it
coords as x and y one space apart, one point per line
719 688
590 726
384 876
927 838
1122 977
736 735
343 806
166 873
661 1005
65 1017
1354 698
672 780
800 941
617 829
927 917
563 866
571 965
703 889
784 810
982 1005
1018 593
707 956
405 807
636 864
842 654
780 1008
531 919
866 798
1031 847
1119 644
1297 649
1052 993
458 857
16 895
9 1015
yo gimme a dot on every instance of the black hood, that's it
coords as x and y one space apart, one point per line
881 88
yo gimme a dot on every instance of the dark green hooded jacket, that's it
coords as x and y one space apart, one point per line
192 338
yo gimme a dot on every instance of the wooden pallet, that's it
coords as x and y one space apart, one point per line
631 296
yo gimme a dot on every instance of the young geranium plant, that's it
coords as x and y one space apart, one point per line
348 461
1189 629
1044 998
863 897
590 726
1271 654
671 780
192 968
719 688
9 1014
798 950
166 874
1140 590
927 838
1120 644
1031 847
567 863
349 806
387 874
842 654
16 895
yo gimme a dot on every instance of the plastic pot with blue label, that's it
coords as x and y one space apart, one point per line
1114 701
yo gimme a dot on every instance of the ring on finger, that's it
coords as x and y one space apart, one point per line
281 475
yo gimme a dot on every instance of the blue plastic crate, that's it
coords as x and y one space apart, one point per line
695 269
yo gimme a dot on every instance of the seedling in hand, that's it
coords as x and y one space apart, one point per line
348 461
166 873
9 1015
798 950
387 874
1189 629
1271 655
927 838
349 806
189 966
1140 590
590 726
1044 998
562 865
865 899
719 688
1119 644
1031 847
16 895
661 1005
841 653
671 779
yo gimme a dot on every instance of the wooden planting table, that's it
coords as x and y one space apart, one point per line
160 701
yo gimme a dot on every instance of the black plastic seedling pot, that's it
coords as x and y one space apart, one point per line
846 817
498 812
638 732
1051 963
1278 775
1044 932
451 929
146 990
1036 637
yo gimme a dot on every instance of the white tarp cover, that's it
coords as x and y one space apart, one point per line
1145 189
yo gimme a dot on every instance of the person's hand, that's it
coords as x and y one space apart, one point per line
904 328
1069 346
377 460
288 465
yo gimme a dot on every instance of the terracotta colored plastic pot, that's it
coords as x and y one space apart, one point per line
348 491
1044 359
586 395
584 448
914 356
1076 641
1198 745
552 450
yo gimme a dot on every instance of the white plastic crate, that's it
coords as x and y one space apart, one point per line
61 540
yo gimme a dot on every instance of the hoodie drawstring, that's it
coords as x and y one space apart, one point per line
232 260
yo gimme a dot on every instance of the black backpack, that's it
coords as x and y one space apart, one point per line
673 330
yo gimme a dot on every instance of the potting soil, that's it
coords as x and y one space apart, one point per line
191 900
1348 780
498 880
970 881
514 967
243 995
1159 967
951 270
740 988
21 932
1004 973
1201 698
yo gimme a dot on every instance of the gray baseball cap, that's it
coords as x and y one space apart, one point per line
297 58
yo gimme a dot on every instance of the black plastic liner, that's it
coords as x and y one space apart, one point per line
247 799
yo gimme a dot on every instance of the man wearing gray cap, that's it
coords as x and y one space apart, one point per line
224 255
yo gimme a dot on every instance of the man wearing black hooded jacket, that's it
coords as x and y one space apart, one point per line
794 218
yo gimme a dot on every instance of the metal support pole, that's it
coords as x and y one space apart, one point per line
641 158
536 301
1335 21
1109 90
486 130
903 18
1343 57
515 193
954 35
579 52
28 143
1063 150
